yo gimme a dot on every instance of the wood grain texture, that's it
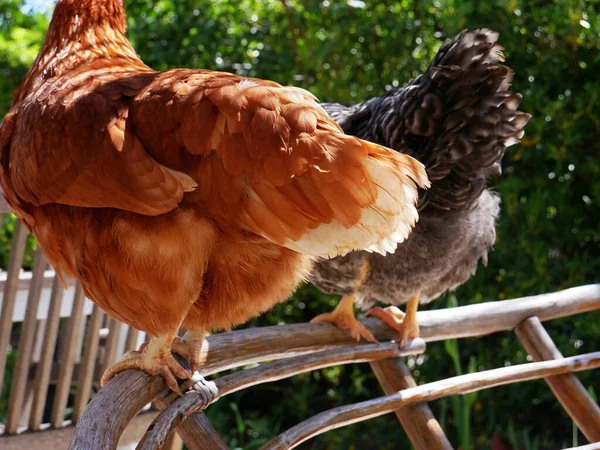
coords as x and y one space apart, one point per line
198 434
358 412
193 401
229 350
419 423
103 422
238 348
567 388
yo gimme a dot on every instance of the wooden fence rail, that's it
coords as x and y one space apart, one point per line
298 348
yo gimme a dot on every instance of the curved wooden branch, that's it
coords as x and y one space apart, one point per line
358 412
185 406
105 418
417 420
238 348
198 434
569 391
229 350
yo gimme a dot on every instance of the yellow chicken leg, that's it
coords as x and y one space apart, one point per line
190 347
154 358
343 317
405 324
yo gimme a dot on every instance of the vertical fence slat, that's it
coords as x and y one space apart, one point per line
90 356
20 377
44 368
112 342
423 430
132 339
567 388
71 349
10 292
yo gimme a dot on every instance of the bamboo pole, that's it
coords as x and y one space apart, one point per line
567 388
419 423
358 412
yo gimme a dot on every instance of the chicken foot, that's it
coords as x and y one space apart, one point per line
190 347
405 324
154 358
343 317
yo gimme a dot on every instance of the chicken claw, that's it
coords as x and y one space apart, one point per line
190 347
405 324
154 358
343 317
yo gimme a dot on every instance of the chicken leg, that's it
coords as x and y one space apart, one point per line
343 317
405 324
154 358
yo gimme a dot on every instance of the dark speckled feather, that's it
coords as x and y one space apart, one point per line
457 118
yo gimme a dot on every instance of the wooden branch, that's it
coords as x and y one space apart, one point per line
278 370
417 420
349 414
191 402
198 434
106 417
229 350
238 348
567 388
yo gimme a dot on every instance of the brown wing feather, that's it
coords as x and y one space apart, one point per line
266 158
84 154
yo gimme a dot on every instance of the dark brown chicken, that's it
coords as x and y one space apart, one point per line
457 118
187 198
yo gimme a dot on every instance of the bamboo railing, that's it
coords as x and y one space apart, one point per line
304 347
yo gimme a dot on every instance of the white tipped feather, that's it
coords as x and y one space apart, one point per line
381 226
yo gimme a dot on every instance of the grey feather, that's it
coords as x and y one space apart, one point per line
457 119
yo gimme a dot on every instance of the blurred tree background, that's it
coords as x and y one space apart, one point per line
348 51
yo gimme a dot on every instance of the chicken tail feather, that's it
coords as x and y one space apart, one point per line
390 179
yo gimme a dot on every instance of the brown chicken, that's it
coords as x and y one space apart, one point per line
187 198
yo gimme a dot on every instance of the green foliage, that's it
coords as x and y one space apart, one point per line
20 39
347 51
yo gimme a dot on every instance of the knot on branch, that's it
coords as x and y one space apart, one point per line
207 391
